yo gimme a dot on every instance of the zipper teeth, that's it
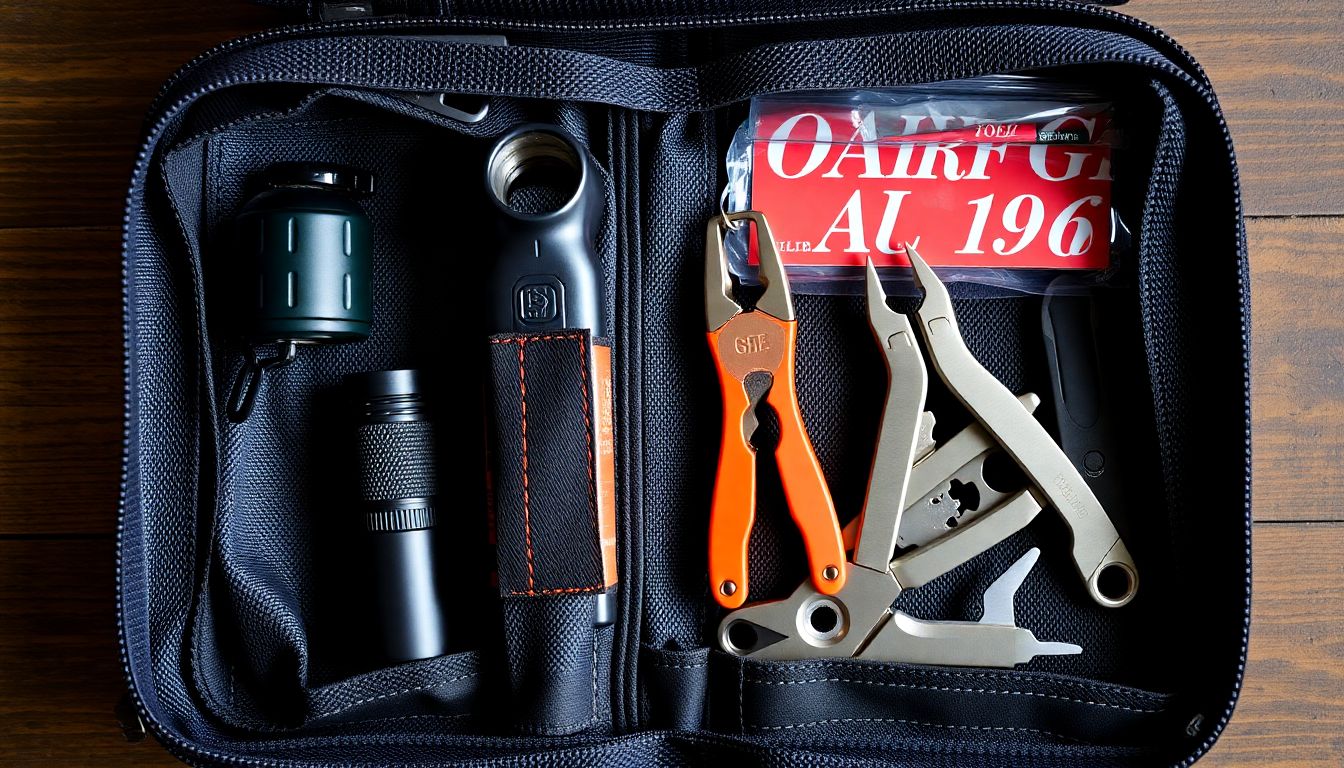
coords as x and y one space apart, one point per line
184 750
1243 286
178 747
741 19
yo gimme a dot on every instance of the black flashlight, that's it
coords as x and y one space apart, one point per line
398 517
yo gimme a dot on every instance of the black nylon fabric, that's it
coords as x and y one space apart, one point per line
1180 311
676 685
872 697
545 498
412 64
557 664
225 629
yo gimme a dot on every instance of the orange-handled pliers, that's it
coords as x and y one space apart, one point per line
759 344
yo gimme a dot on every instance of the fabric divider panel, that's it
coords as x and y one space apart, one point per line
822 695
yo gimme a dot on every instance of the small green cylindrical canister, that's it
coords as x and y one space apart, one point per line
310 249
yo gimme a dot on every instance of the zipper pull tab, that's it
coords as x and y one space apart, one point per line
132 725
342 11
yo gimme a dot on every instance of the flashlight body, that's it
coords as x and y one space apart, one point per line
410 615
547 274
399 495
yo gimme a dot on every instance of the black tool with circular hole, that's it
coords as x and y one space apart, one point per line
546 273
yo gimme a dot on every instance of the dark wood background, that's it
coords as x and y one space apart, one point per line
75 79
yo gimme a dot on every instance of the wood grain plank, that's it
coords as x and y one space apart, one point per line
60 675
1297 353
75 81
1291 713
60 380
1278 69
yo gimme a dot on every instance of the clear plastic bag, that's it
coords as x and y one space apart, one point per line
1000 181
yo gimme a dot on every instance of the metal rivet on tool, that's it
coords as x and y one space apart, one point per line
1094 462
727 588
831 573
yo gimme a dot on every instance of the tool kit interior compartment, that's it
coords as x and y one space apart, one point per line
247 609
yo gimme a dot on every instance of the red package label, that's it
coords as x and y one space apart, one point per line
838 191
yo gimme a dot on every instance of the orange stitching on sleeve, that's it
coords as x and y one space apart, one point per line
522 400
588 429
547 337
558 591
588 438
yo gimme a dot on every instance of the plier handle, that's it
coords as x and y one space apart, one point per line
753 351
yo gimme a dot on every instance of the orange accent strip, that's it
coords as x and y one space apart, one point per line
606 463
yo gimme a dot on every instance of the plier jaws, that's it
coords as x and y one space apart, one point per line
760 343
720 306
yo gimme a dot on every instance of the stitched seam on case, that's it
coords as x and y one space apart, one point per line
594 718
346 723
520 340
382 696
945 689
916 722
679 666
956 675
527 524
588 439
741 697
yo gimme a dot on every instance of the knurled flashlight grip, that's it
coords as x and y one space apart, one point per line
398 496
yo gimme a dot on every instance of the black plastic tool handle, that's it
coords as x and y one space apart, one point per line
547 275
546 263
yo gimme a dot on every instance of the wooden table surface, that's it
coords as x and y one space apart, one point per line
75 80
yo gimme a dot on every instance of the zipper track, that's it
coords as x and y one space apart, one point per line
294 31
1191 73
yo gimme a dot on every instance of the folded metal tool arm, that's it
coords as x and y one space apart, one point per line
859 621
1099 554
898 441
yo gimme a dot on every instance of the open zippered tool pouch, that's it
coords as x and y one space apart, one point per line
234 600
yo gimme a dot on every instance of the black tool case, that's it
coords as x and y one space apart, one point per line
234 596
